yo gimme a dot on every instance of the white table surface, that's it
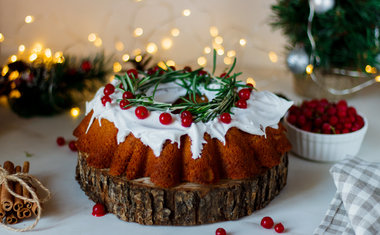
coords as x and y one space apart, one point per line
300 206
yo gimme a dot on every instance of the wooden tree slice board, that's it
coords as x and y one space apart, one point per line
141 201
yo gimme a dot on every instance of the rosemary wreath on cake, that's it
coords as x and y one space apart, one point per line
229 93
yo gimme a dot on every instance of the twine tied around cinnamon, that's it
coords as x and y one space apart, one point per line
23 179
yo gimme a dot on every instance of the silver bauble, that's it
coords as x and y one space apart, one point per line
321 6
297 60
377 60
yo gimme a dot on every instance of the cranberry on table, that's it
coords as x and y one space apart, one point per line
108 89
141 112
72 146
279 228
225 118
105 99
98 210
61 141
244 94
165 118
267 222
132 73
220 231
123 104
242 104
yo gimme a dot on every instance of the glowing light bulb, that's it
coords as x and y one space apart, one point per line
151 48
174 32
166 43
59 57
15 94
137 51
29 19
162 65
13 58
75 112
91 37
273 57
309 69
1 37
207 50
252 81
368 68
243 42
14 75
227 60
214 31
138 32
48 53
202 61
32 57
5 70
125 57
186 12
58 54
21 48
98 42
220 51
231 53
117 67
119 46
37 48
218 40
138 58
377 78
170 63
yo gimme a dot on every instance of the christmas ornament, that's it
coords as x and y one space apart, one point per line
297 60
322 6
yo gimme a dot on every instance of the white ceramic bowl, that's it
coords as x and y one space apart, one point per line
325 147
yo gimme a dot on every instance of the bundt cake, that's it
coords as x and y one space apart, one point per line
172 132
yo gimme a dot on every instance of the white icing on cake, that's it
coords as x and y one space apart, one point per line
264 109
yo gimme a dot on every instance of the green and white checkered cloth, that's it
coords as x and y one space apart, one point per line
355 208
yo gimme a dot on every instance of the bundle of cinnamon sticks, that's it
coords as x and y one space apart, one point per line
13 209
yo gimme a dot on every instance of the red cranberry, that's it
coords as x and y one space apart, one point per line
244 94
128 95
72 146
105 99
351 111
141 112
132 73
279 228
267 222
224 75
250 86
108 89
165 118
220 231
225 118
342 103
121 86
308 112
331 111
186 121
187 69
98 210
326 128
172 68
301 120
202 73
123 104
186 114
333 120
292 119
61 141
242 104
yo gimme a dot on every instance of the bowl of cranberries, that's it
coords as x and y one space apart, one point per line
325 131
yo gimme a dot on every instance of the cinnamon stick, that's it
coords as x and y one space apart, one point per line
24 213
25 192
18 203
11 219
6 197
35 209
2 212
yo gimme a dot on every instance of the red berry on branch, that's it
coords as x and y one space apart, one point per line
61 141
109 89
105 99
72 146
141 112
242 104
186 121
123 104
225 118
224 75
186 114
165 118
187 69
244 94
279 228
132 73
128 95
220 231
121 86
267 222
98 210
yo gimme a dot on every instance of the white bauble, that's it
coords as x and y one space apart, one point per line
297 60
322 6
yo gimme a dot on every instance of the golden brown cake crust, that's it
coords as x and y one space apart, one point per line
242 157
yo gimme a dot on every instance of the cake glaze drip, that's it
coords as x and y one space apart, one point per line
264 109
